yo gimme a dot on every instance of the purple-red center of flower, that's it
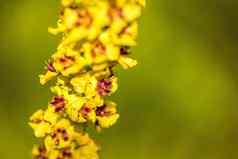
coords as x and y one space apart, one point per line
104 87
65 154
60 133
101 111
42 153
99 49
67 61
59 103
85 111
123 51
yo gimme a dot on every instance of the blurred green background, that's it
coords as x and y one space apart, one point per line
179 103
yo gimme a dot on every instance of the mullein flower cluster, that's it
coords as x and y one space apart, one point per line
97 35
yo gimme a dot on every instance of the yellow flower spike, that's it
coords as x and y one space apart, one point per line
97 36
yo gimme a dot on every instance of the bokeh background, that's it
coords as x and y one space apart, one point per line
181 102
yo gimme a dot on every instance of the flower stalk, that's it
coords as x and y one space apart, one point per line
96 36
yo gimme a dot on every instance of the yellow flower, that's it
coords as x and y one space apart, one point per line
42 121
88 151
107 115
61 135
68 62
82 115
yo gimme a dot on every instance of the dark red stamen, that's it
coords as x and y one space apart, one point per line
50 67
53 135
64 135
85 110
59 103
104 87
57 142
123 51
102 112
66 153
63 59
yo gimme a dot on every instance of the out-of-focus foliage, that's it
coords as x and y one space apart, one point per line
181 102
